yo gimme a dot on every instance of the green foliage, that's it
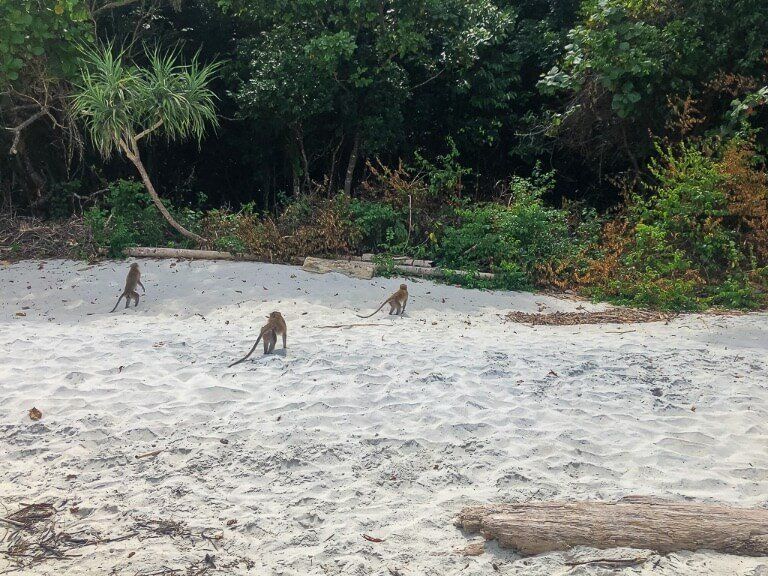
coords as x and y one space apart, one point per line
120 103
445 174
35 29
380 224
344 71
514 241
128 217
682 252
619 49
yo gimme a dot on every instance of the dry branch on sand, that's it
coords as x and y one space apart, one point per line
35 533
34 536
633 522
612 316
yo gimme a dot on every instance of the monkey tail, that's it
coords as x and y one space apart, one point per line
374 312
249 353
117 303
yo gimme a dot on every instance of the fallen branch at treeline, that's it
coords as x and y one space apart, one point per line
613 316
632 522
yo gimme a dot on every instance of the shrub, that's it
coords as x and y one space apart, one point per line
381 225
688 245
519 241
127 217
307 227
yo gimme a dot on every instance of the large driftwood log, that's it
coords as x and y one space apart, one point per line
634 522
367 257
430 272
145 252
352 268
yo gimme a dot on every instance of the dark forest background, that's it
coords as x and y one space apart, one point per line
611 146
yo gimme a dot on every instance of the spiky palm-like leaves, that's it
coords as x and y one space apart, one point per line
121 104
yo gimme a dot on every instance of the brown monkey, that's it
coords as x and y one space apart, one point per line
396 302
275 325
132 280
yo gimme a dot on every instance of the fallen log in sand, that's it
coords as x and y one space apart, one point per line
351 268
146 252
405 260
431 272
366 270
633 522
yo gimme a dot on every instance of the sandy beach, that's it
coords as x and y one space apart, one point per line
280 464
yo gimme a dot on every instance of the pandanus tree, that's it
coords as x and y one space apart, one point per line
123 104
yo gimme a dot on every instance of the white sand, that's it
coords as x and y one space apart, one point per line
384 430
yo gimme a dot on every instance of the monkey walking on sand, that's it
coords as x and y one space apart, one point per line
131 281
275 325
396 302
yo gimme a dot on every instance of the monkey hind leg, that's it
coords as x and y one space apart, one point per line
135 296
272 342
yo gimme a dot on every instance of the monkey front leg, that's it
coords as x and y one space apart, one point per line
285 339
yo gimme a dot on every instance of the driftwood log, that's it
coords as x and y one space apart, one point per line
145 252
405 260
633 522
351 268
356 268
430 272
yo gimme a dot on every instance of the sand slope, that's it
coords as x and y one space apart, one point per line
383 430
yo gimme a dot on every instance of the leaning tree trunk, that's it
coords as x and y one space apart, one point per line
633 522
136 160
348 179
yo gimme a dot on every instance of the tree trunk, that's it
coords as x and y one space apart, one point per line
634 522
136 160
348 179
295 175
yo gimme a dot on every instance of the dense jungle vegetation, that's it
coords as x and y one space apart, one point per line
612 147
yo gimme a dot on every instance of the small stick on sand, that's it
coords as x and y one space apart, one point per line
13 522
372 539
619 562
149 454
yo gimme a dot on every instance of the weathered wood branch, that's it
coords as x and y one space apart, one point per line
18 129
367 257
351 268
634 522
145 252
112 6
430 272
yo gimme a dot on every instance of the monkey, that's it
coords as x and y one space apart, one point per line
396 302
275 325
131 281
